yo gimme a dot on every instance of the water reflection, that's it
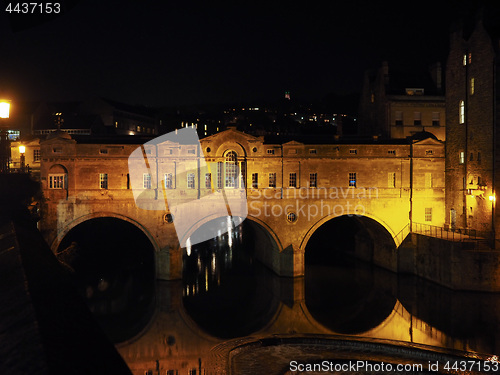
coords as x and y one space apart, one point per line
223 289
226 294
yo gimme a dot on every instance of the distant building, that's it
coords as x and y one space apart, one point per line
472 139
397 103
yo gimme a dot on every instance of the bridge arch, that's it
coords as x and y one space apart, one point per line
372 240
268 230
327 218
103 214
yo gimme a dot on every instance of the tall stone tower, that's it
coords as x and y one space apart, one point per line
472 134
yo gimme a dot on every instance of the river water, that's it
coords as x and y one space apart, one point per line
226 294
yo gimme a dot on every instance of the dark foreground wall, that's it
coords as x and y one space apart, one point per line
45 327
450 263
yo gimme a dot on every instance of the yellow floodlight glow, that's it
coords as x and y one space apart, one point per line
4 109
22 149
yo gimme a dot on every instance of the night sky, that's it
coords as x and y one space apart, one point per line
164 53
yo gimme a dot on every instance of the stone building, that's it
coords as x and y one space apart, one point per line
398 103
405 177
472 118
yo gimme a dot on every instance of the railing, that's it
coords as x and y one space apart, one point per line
472 236
400 237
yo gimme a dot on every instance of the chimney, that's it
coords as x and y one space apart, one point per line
436 75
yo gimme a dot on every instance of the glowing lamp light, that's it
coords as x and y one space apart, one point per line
4 109
492 198
22 149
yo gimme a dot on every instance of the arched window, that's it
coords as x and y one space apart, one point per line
231 167
461 112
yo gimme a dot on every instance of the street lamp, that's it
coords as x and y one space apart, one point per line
22 150
4 136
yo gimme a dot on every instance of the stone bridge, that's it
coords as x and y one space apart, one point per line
288 195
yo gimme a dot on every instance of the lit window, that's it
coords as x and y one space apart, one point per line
169 181
470 58
220 175
190 181
461 157
255 180
146 181
464 61
472 86
461 112
352 179
313 180
57 181
391 181
292 180
428 214
272 180
231 170
36 155
103 180
208 180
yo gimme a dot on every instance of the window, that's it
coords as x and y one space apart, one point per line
291 217
436 119
428 180
428 214
57 181
461 159
313 180
479 156
391 152
292 180
353 151
461 112
146 181
472 86
352 179
190 181
464 61
192 151
208 180
429 152
471 156
103 180
470 58
169 181
255 180
313 151
270 151
272 180
417 118
398 118
36 155
231 170
220 174
57 150
103 151
391 179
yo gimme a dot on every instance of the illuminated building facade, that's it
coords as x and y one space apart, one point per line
472 118
397 104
